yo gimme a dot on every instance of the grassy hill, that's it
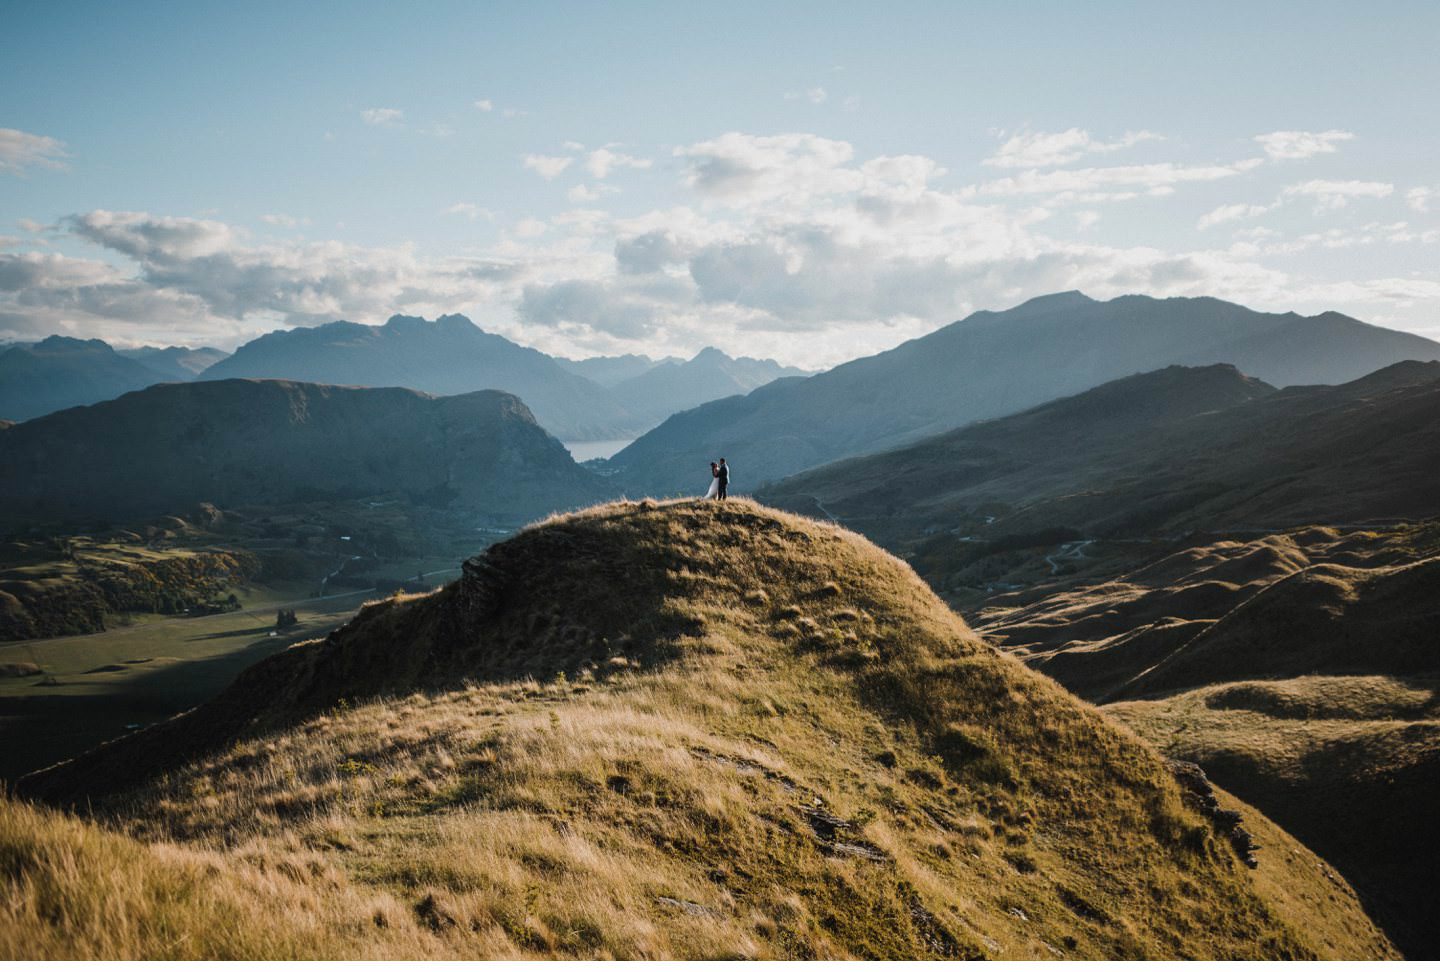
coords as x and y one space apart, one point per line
655 730
994 364
1299 669
241 442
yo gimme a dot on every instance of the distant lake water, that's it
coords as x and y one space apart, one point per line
599 449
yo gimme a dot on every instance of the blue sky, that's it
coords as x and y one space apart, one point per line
804 181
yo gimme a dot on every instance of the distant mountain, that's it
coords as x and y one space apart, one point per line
607 372
60 372
672 386
448 356
179 363
994 364
1161 453
236 442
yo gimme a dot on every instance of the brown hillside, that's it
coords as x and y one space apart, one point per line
689 730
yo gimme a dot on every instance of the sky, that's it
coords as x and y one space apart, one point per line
804 181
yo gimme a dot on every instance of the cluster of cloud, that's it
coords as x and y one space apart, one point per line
22 150
787 245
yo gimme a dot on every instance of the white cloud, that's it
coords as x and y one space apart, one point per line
583 193
382 116
742 169
1033 150
1421 198
281 219
1332 194
530 227
1302 145
1158 178
1230 213
21 150
816 95
469 210
484 104
602 162
548 166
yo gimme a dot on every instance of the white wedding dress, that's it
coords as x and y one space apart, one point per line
714 488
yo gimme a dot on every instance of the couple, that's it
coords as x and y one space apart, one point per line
719 480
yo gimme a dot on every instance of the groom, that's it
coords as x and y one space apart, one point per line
723 474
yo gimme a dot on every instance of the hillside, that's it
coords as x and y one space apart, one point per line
1160 454
994 364
233 443
1299 669
448 356
175 362
650 731
61 372
674 386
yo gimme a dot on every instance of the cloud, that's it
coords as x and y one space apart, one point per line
484 104
743 169
1302 145
649 252
1035 150
1230 213
530 228
469 210
584 193
603 161
1421 198
382 116
21 150
548 166
1158 178
815 95
281 219
1332 194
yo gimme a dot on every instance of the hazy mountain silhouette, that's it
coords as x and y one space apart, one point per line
448 356
269 442
993 364
1164 452
60 372
178 363
673 385
609 371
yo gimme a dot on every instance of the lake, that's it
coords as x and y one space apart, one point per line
599 449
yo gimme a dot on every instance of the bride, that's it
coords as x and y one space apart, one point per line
714 481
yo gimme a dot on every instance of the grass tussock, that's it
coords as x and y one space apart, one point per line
674 730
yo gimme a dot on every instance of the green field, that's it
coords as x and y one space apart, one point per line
95 687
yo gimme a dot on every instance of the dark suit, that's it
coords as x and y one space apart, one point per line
724 477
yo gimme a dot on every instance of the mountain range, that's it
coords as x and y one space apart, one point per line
179 363
994 364
241 442
60 372
1166 452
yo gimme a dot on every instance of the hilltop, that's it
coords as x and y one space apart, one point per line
447 356
995 364
657 730
239 442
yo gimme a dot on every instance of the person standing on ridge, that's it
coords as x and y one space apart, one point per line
722 475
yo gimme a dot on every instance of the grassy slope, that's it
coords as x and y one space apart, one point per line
1363 751
647 731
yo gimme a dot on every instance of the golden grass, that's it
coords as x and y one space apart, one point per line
690 731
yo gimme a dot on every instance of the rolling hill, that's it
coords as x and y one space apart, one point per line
654 731
62 372
448 356
240 442
994 364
